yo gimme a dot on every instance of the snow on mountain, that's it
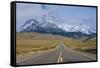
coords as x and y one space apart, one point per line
33 25
76 28
50 23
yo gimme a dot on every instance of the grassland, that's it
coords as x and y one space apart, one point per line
34 42
82 45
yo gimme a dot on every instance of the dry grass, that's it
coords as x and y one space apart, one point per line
34 42
78 44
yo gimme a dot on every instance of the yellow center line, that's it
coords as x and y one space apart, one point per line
60 59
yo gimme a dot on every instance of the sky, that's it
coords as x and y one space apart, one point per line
68 14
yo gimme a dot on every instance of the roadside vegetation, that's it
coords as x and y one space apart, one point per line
33 42
82 45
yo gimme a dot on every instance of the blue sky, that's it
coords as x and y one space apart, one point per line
69 14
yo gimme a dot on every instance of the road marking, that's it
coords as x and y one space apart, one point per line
60 59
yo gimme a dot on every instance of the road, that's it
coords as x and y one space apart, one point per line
58 55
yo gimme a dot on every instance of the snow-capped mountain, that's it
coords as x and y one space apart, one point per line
76 28
74 31
34 25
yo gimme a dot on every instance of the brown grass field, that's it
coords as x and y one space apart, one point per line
35 42
80 45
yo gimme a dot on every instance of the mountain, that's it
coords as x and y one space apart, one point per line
76 28
34 25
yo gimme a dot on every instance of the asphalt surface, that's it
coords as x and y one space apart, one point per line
58 55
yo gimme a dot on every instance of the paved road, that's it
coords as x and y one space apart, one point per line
59 55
